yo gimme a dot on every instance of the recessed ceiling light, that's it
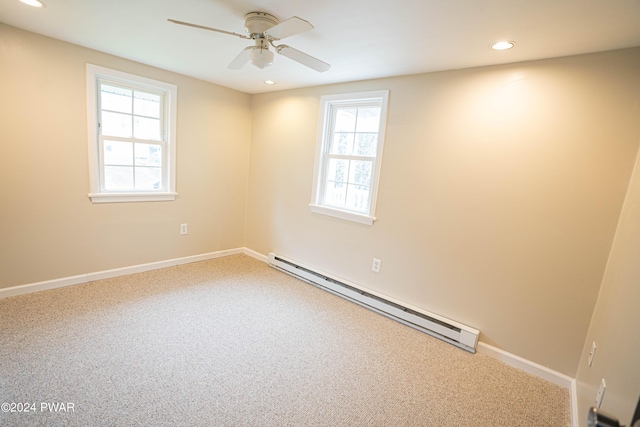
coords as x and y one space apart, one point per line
503 45
34 3
270 82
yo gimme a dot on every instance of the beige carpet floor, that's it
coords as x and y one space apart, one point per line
233 342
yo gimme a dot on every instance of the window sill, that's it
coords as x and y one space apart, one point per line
131 197
337 213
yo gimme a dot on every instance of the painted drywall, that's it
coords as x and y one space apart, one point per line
616 321
49 228
500 192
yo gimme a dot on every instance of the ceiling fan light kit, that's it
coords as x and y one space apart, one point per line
261 56
264 29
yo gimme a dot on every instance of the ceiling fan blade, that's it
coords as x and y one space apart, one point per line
289 27
303 58
241 60
202 27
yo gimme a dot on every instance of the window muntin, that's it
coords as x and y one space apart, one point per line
131 136
352 152
348 159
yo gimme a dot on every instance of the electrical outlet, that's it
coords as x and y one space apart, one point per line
592 353
375 267
184 229
600 395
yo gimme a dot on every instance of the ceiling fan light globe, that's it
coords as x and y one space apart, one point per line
261 58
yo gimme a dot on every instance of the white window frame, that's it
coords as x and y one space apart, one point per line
328 103
98 194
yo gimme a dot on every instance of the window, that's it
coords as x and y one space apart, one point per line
349 154
132 142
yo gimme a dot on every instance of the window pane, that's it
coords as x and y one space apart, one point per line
146 104
360 173
338 169
368 119
345 120
118 177
115 99
118 153
145 128
116 124
342 143
366 144
358 198
147 178
335 194
148 155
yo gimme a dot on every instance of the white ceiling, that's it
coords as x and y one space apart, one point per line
361 39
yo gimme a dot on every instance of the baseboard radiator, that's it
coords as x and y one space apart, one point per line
447 330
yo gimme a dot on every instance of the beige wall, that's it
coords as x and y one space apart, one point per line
500 191
615 326
49 229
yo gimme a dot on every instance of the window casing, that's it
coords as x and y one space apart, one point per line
349 154
132 138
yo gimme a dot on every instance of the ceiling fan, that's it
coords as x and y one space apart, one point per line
265 29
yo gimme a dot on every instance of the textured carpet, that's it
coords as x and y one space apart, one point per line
233 342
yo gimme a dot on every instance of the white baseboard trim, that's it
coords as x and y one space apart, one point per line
574 404
538 370
106 274
42 286
256 255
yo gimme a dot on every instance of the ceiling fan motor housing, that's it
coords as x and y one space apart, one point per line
259 22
